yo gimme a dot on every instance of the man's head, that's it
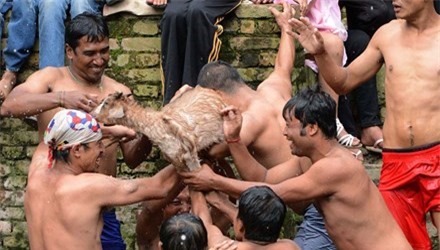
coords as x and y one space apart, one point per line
306 113
179 205
412 9
220 76
74 132
91 26
87 46
183 232
260 215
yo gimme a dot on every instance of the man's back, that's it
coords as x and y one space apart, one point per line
269 146
280 244
56 215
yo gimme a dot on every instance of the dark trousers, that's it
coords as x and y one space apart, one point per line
190 33
365 96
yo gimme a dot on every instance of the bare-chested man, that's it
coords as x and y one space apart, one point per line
263 123
64 200
409 48
153 213
81 85
338 183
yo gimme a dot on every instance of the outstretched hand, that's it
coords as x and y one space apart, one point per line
200 180
232 121
118 133
304 7
282 18
185 88
307 35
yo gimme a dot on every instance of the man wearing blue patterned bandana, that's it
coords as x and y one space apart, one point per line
67 129
64 203
81 85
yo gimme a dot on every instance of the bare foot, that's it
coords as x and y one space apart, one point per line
7 82
371 135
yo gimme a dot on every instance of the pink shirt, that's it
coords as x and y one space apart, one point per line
326 16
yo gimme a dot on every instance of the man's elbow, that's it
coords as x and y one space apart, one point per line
5 109
341 89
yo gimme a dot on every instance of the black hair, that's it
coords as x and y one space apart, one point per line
91 25
262 213
220 75
313 106
63 154
183 232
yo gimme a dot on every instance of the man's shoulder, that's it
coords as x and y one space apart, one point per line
280 244
114 86
48 73
340 159
389 29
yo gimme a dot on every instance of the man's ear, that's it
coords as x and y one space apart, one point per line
160 245
312 129
240 227
75 150
69 52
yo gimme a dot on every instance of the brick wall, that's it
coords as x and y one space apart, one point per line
250 42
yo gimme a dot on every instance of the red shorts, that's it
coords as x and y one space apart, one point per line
410 186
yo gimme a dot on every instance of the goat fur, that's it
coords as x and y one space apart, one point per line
180 129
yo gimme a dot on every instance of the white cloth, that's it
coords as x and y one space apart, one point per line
71 127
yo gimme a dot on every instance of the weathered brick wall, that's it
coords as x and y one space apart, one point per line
250 42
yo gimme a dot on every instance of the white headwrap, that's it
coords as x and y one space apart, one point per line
70 127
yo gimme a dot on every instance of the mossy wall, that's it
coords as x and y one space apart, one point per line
250 42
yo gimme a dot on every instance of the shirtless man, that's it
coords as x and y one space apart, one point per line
257 221
263 124
263 133
262 119
81 85
337 182
64 201
409 49
152 215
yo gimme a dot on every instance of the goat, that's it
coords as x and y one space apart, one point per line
181 129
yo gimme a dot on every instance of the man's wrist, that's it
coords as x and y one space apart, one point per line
61 99
232 140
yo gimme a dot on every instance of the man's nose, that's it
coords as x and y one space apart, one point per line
185 208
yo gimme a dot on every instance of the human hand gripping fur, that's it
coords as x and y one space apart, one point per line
117 133
199 180
185 88
307 35
232 121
